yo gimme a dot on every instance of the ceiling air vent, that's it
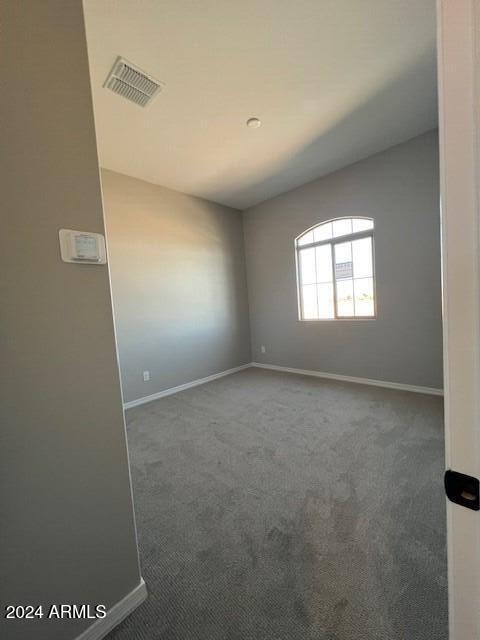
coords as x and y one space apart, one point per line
132 83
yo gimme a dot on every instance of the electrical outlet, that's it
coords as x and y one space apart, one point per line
263 349
146 376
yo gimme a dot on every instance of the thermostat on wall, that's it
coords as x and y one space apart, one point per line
82 247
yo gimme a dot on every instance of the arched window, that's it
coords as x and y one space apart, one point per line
335 270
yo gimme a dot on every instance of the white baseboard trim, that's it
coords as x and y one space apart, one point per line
116 614
335 376
182 387
304 372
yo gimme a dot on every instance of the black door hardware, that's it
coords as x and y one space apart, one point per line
462 489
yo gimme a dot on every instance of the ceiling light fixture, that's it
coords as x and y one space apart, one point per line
254 123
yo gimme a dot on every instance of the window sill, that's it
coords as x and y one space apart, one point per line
357 319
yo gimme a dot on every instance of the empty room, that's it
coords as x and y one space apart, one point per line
241 320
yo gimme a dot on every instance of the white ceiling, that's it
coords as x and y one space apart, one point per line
333 81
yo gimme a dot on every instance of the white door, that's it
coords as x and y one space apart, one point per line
458 67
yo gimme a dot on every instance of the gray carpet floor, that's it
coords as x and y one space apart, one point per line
273 506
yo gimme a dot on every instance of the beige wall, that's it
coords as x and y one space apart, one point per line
399 189
178 283
67 528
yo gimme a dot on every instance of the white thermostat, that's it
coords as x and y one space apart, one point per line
82 247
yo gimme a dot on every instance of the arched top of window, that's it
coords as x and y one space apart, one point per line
334 229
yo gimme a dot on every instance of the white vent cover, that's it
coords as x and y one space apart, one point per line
132 83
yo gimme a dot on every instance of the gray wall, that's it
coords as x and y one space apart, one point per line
399 189
67 529
178 283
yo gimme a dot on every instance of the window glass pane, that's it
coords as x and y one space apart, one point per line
323 232
360 224
345 298
309 302
325 300
342 227
307 266
324 262
307 238
343 261
364 304
343 252
362 258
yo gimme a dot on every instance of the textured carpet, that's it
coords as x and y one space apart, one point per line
272 506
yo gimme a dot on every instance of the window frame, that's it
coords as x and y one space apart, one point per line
368 233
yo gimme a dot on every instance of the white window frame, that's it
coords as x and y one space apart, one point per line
368 233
